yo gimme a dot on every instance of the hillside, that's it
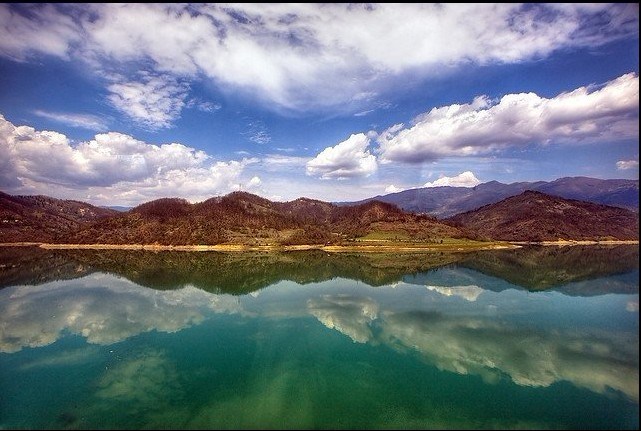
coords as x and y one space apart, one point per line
535 216
41 218
243 218
445 202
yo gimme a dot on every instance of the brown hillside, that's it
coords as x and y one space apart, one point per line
243 218
41 218
535 216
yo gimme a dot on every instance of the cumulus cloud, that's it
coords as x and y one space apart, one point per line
348 159
606 112
464 179
392 189
308 56
154 102
110 167
84 121
624 165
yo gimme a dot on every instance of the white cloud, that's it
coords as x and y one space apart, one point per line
257 132
36 28
111 168
627 164
347 159
464 179
308 56
154 102
84 121
392 189
254 182
260 137
279 161
607 112
203 105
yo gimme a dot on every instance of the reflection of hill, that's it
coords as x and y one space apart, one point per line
534 268
240 273
541 268
235 273
34 265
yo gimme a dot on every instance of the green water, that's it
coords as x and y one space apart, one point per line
532 338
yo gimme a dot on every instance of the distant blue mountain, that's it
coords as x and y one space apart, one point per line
119 208
443 202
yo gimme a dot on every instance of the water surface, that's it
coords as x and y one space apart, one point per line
540 337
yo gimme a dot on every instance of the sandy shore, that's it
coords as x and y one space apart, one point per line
363 248
577 242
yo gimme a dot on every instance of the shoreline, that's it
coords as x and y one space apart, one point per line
364 248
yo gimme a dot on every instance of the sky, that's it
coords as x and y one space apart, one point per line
121 104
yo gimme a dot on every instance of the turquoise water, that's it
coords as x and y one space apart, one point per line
451 344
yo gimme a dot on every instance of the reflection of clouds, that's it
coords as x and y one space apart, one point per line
65 358
477 346
347 314
469 293
147 381
101 308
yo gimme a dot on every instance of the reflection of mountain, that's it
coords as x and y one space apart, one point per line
235 273
566 269
541 268
34 265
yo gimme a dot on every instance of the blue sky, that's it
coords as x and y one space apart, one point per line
121 104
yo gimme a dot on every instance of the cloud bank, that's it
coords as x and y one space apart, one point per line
112 167
302 57
586 114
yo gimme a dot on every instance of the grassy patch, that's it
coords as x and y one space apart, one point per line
385 236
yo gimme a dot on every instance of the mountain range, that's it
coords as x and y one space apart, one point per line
247 219
443 202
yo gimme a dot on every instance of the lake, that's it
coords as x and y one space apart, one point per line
537 337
